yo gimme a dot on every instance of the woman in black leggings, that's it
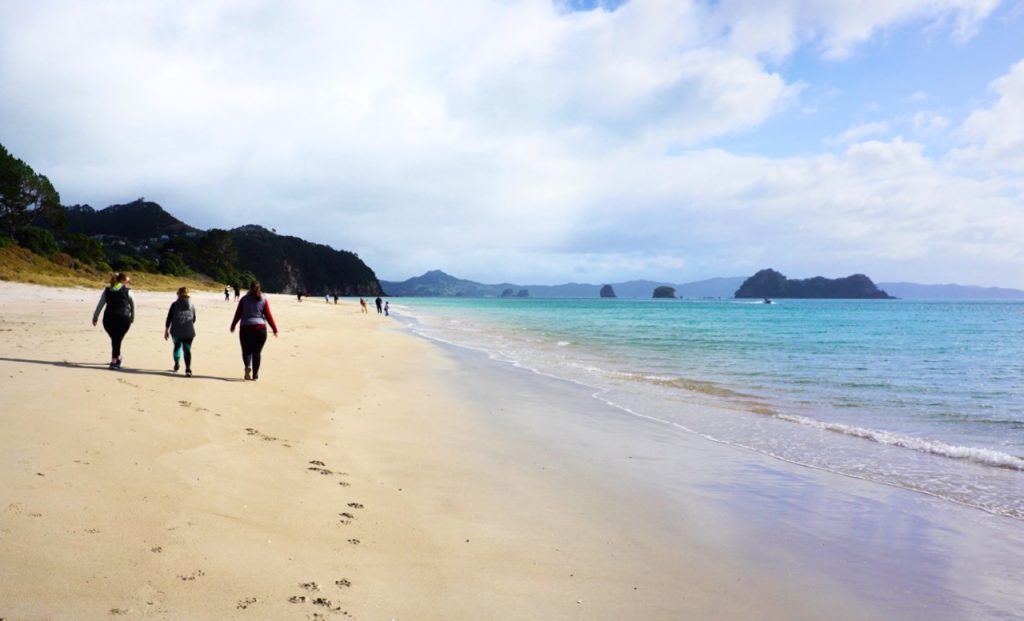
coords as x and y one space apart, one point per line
254 313
118 316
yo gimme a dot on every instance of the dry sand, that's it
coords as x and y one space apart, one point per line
349 482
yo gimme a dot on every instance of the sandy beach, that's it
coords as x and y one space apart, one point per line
368 474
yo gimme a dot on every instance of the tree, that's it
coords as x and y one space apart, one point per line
25 195
129 263
39 241
85 249
664 292
172 264
215 255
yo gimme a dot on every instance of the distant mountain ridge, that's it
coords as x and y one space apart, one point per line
437 283
915 291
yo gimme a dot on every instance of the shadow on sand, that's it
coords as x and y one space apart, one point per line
103 367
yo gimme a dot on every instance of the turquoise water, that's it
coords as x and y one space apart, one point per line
923 395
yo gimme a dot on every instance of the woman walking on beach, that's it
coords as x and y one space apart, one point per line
254 313
118 316
180 326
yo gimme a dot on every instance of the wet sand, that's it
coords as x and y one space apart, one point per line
370 474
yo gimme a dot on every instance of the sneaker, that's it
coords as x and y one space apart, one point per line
117 365
248 373
188 372
255 376
112 365
176 366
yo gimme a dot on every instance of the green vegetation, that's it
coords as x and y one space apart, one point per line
26 196
140 237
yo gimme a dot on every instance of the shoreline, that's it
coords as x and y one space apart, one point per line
869 539
373 474
955 450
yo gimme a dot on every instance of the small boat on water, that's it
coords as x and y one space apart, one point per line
767 301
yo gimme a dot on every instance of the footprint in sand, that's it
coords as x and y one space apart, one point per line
245 603
355 505
316 465
199 573
329 605
262 436
312 587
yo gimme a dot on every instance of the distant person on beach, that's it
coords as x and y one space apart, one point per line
298 294
380 305
327 298
180 327
254 313
118 316
387 308
362 305
227 294
238 291
335 294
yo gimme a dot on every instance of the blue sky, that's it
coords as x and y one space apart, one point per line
890 78
541 142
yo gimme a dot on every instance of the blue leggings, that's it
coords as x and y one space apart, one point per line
181 345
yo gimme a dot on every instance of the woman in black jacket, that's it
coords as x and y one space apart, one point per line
118 316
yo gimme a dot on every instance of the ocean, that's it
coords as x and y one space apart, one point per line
922 395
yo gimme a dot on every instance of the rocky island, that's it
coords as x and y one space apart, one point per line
771 284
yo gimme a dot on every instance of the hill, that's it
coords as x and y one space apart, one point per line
436 283
768 283
140 219
142 237
290 264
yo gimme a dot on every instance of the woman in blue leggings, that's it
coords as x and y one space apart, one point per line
180 326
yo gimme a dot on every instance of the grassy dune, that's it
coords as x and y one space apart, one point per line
20 265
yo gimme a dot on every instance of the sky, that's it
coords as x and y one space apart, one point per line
546 141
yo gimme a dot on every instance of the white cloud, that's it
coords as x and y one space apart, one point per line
876 205
860 132
499 140
777 28
929 123
996 133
